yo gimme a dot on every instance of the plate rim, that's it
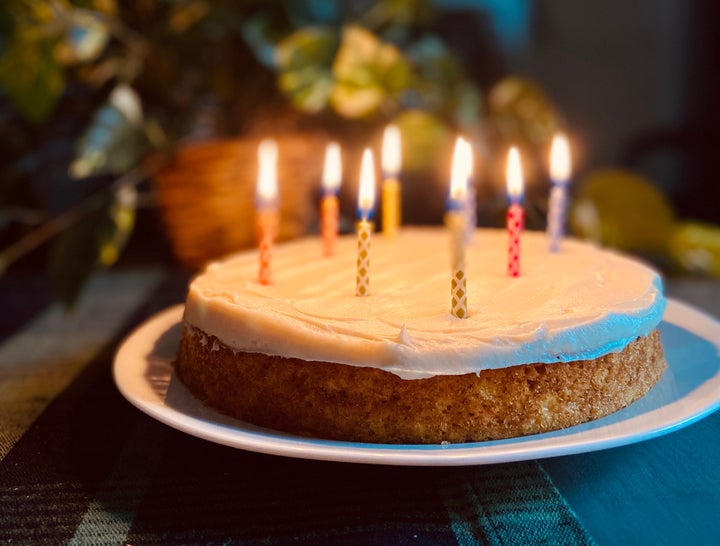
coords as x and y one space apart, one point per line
224 430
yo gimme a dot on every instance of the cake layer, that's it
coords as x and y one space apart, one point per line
328 400
578 304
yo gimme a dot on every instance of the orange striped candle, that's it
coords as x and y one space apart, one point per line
329 205
266 206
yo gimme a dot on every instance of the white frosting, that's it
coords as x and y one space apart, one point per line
579 303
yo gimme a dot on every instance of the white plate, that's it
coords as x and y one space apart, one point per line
688 391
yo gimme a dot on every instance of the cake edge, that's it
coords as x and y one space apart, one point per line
366 404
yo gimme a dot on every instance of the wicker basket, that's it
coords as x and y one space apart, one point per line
206 194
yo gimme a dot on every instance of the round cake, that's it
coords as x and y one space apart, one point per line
573 338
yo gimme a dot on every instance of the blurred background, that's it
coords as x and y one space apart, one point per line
129 130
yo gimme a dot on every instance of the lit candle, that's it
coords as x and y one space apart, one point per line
470 201
456 220
266 207
391 190
515 214
329 206
560 176
366 202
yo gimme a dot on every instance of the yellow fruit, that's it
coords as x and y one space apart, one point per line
695 247
621 209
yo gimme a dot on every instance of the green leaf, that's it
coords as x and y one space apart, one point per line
115 139
74 254
521 111
113 234
427 142
397 15
310 46
441 85
256 32
467 106
29 73
96 240
369 73
304 61
184 15
84 39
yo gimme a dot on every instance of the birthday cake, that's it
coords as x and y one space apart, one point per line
572 339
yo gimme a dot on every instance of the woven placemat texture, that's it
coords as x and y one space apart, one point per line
85 467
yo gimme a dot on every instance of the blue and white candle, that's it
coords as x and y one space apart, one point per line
560 177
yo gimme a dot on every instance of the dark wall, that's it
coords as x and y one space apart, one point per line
638 84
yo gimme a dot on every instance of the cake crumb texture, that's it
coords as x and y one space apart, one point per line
365 404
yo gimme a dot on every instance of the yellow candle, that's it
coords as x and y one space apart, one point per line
455 219
266 208
366 201
329 206
391 190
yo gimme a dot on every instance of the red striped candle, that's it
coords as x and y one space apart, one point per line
515 214
515 221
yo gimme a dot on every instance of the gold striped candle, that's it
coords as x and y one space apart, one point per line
456 222
458 284
366 201
362 279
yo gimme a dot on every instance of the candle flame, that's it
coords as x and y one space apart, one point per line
514 174
470 158
267 185
332 171
460 170
391 151
366 193
560 159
